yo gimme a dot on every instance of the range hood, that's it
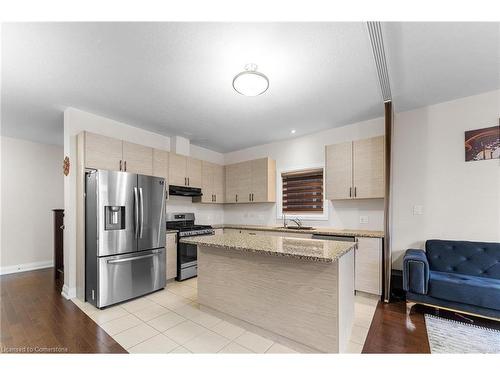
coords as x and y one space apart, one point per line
185 191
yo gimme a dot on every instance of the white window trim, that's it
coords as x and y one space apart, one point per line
279 195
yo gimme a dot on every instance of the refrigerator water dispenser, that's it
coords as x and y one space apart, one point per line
114 217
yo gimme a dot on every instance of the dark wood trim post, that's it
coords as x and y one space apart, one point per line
387 201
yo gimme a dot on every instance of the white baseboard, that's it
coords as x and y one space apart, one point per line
68 292
26 267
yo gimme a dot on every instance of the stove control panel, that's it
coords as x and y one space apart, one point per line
198 232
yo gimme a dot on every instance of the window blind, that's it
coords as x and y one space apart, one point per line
303 191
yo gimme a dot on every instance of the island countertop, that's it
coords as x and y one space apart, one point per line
307 249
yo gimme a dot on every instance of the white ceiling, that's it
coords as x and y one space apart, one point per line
431 63
175 78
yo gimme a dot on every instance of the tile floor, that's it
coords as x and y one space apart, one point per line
170 321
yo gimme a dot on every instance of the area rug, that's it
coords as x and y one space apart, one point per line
450 336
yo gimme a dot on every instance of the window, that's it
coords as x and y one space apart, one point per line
303 191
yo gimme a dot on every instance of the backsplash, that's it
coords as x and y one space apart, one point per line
342 214
209 214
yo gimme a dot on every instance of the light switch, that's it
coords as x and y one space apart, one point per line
363 219
418 209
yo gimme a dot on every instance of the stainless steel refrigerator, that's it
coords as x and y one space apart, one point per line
124 236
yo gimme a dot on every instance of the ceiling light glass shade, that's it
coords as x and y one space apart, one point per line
250 82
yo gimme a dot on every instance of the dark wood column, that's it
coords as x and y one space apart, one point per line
387 206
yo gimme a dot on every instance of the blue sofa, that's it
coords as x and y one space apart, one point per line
456 275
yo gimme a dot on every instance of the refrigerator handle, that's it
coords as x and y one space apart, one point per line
162 223
141 229
136 213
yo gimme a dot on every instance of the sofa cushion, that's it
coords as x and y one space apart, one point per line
472 290
480 259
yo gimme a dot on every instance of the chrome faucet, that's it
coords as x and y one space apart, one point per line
297 221
285 225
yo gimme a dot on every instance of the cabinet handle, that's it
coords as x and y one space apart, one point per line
125 165
188 181
185 181
236 197
355 191
350 192
250 197
120 165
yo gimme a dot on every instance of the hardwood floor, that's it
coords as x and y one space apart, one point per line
390 333
36 318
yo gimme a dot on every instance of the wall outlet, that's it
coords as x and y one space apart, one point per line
363 219
418 209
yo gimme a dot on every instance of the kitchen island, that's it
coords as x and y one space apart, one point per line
297 289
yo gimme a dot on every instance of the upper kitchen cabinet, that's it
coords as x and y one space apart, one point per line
184 171
177 170
102 152
238 182
263 188
193 169
355 170
369 167
338 168
251 181
160 163
137 158
212 183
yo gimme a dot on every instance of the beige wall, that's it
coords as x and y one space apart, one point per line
32 185
461 200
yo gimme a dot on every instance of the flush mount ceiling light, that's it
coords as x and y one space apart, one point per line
250 82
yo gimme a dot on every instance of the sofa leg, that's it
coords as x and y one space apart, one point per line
409 324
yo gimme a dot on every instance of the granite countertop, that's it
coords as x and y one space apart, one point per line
313 250
323 231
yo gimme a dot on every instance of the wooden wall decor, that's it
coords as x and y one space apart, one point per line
66 166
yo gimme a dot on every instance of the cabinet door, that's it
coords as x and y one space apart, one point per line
243 181
207 182
160 163
338 160
368 155
231 183
219 183
263 173
171 257
177 170
368 265
102 152
194 172
137 158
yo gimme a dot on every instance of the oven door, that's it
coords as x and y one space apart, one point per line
187 255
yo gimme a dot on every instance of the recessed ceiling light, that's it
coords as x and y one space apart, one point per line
250 82
292 131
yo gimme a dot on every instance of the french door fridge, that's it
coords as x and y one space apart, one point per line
124 236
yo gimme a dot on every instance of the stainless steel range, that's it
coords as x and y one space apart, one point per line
187 255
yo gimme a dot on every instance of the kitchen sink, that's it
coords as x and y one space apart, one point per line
295 227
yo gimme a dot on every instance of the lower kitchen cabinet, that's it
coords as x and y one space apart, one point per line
171 248
368 265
